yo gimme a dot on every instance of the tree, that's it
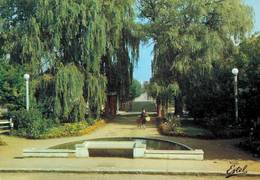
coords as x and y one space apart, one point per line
191 38
248 62
163 95
11 85
96 37
135 89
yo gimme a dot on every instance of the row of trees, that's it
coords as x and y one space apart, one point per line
196 44
75 52
78 50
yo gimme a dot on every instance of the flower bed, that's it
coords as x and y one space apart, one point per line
72 129
171 129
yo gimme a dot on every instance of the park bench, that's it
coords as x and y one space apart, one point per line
6 125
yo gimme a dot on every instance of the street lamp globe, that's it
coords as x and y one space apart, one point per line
26 77
235 71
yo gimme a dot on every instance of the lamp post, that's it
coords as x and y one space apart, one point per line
235 73
27 77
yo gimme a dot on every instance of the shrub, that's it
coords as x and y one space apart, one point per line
90 120
11 85
220 121
165 128
173 120
170 124
30 123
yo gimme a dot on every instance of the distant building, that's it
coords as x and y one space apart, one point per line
144 97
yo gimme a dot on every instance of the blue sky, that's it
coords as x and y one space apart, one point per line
142 71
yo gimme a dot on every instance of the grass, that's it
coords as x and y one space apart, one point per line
186 129
190 131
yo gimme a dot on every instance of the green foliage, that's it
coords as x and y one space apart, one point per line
95 86
135 89
248 63
192 40
11 85
45 93
65 130
174 127
72 129
213 96
162 93
99 37
153 89
173 120
69 104
217 122
30 123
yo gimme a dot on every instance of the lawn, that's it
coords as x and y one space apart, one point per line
186 129
193 131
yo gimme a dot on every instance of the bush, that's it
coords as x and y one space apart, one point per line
221 126
220 121
230 133
170 124
30 123
173 120
11 85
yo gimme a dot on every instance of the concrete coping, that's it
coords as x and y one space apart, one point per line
34 150
109 144
196 151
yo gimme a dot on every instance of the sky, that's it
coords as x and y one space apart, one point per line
142 71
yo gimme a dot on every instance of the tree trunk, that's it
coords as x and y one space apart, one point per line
163 110
178 105
111 106
158 108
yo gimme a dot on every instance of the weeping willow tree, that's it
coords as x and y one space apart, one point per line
48 36
190 37
69 103
95 93
121 55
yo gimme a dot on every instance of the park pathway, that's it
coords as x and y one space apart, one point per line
122 126
125 126
218 154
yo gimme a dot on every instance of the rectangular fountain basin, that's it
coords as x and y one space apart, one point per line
83 150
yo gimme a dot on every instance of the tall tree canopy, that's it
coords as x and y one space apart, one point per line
45 36
191 38
248 62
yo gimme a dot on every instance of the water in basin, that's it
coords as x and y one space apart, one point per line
151 143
